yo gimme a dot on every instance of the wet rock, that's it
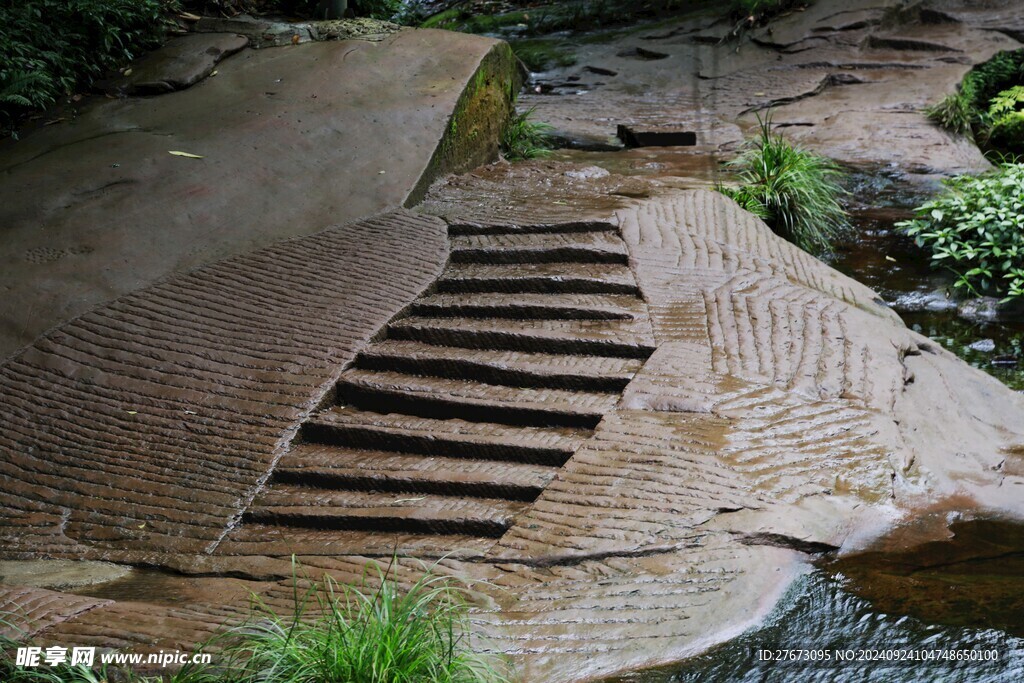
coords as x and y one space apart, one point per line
633 136
260 32
984 345
981 309
59 574
315 117
179 64
266 33
643 53
934 301
587 173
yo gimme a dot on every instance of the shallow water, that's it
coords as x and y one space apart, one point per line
820 615
882 258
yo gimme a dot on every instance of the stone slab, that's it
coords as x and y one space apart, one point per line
179 64
293 140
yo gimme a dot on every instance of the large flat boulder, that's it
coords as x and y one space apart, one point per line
292 139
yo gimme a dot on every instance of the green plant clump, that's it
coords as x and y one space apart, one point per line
539 55
50 48
524 138
372 632
987 106
362 634
795 191
976 230
955 112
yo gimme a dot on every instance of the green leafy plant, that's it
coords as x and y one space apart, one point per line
955 113
976 230
524 138
373 632
795 191
984 108
50 48
378 9
1008 101
538 55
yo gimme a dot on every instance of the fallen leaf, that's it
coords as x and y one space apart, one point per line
132 412
142 526
185 154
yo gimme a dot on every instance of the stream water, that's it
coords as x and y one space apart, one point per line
961 593
965 593
890 263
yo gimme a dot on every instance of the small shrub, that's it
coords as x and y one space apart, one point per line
49 48
378 9
369 633
986 80
976 230
523 138
987 94
954 113
795 191
539 55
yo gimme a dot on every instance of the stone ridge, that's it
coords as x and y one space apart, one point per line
147 424
781 415
290 141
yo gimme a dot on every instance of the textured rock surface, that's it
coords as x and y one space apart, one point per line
95 208
633 412
150 423
179 64
622 517
838 76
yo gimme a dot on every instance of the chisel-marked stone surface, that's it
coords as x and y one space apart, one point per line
469 406
150 422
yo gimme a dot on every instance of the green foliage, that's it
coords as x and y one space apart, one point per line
986 80
1006 102
1007 135
370 633
377 9
580 15
955 113
985 106
373 632
49 48
539 55
795 191
523 138
976 230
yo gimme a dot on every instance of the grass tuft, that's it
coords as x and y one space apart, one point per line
955 113
373 632
795 191
539 55
524 138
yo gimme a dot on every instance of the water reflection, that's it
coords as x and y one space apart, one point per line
882 258
820 614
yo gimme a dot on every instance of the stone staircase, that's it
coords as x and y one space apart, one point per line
454 422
